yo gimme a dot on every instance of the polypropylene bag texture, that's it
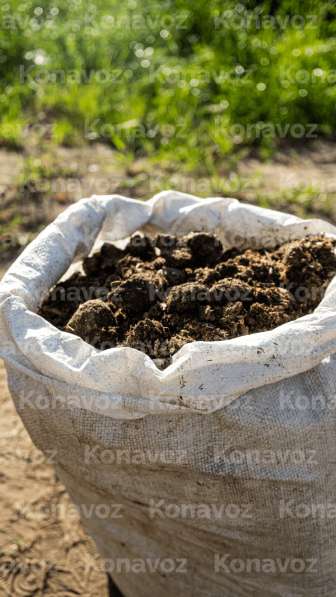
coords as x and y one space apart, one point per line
213 477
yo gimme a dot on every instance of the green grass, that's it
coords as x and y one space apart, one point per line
173 80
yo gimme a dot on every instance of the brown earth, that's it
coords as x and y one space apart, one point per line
37 184
157 295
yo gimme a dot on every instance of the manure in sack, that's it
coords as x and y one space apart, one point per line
212 477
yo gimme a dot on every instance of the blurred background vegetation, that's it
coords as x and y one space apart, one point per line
187 81
194 87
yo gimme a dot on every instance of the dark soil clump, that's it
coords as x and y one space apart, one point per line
156 295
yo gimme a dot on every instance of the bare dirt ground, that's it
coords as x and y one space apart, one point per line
312 166
38 183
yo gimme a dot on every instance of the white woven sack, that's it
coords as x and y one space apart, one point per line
215 477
